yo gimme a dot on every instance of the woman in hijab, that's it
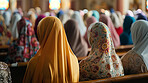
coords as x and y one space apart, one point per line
125 37
76 41
5 34
13 26
116 22
102 62
129 13
120 17
7 17
5 74
55 61
26 45
136 60
89 21
81 24
39 18
95 14
115 37
140 16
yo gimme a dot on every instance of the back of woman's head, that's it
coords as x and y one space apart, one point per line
128 21
139 31
47 25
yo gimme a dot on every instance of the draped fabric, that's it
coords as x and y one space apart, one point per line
102 62
39 18
5 73
136 60
55 61
129 13
7 17
115 20
115 37
26 46
13 25
81 24
139 32
89 21
5 35
76 41
96 14
140 16
120 17
125 37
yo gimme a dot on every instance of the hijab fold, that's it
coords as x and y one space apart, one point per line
76 41
55 61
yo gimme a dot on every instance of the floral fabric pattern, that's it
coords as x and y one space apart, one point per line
26 45
102 61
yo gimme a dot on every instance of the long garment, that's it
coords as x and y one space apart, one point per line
136 60
102 62
125 37
55 61
39 18
76 41
81 24
5 73
115 37
5 35
13 25
26 46
89 21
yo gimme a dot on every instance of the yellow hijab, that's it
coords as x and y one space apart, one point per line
56 62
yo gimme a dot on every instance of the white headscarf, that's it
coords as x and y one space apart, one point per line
139 32
115 20
81 25
13 26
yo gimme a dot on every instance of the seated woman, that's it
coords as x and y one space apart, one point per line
5 34
76 41
39 18
5 75
136 60
26 46
115 37
54 62
102 62
125 37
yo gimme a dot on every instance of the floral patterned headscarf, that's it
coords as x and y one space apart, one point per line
5 75
102 62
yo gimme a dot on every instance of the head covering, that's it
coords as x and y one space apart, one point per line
120 17
5 34
129 13
76 41
32 16
89 21
81 25
64 18
115 20
40 17
112 10
5 74
61 12
13 26
38 10
55 61
102 62
115 37
26 45
95 14
125 37
7 17
139 32
140 16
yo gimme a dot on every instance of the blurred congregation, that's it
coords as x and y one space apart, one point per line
65 41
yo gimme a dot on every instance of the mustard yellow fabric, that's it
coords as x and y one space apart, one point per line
55 61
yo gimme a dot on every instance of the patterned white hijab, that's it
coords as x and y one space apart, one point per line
139 32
